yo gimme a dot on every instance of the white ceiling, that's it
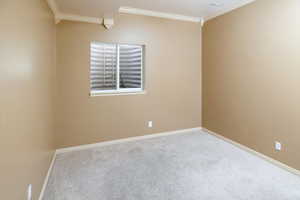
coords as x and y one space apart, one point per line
206 9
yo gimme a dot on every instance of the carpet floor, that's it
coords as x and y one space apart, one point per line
190 166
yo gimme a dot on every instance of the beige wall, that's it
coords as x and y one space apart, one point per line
251 77
173 85
27 50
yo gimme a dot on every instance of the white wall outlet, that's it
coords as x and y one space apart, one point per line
150 124
29 192
278 146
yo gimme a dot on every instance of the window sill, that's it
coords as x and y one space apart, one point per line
116 93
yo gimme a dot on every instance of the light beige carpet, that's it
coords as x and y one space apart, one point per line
191 166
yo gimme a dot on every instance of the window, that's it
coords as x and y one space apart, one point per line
116 68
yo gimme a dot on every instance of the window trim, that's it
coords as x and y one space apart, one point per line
120 91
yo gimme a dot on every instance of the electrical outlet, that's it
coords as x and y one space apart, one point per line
278 146
150 124
29 192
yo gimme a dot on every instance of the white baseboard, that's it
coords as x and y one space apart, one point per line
89 146
47 177
267 158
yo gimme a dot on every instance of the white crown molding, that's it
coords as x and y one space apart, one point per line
78 18
202 22
226 10
136 11
58 16
53 6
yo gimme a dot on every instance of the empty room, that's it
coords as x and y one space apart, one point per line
150 100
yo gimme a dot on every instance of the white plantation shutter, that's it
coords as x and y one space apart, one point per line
103 72
130 66
116 68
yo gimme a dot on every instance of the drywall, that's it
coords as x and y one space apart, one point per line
251 77
27 63
173 81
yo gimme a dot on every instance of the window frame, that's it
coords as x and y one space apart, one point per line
118 90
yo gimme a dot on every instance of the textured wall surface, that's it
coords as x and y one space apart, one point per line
173 81
27 67
251 77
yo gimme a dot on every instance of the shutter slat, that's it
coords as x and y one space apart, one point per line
130 66
103 69
103 66
130 57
